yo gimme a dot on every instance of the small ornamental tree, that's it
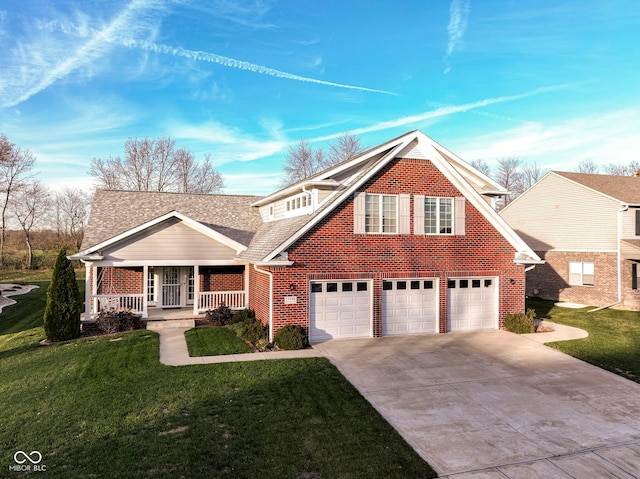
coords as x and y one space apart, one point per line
64 305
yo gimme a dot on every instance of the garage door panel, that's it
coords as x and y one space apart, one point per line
409 306
339 309
472 303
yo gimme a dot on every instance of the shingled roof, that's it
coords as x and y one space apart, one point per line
626 189
115 212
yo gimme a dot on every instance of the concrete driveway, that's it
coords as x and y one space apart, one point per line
495 405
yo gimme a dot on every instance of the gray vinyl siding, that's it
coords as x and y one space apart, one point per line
170 240
559 214
629 224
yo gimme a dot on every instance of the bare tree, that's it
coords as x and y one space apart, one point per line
195 177
616 169
30 205
15 168
587 166
345 147
156 165
71 208
108 172
508 174
302 161
530 174
481 166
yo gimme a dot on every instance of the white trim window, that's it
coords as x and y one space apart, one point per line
298 204
581 274
381 213
438 216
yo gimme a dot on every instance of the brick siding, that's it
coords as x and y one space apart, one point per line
221 278
332 250
117 280
551 280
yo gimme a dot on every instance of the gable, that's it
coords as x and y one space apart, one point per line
170 240
362 169
560 214
114 213
334 243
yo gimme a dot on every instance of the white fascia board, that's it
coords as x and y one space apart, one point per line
85 258
225 240
481 205
275 264
173 262
345 194
465 168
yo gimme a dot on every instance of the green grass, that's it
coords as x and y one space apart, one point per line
106 408
25 276
214 341
614 336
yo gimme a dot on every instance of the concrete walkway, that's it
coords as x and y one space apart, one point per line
495 405
174 352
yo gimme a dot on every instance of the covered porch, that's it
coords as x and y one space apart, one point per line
161 291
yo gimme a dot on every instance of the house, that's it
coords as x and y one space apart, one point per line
400 239
587 229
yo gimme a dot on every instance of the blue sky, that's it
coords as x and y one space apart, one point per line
553 82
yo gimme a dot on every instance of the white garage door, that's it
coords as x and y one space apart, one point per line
339 309
409 306
473 303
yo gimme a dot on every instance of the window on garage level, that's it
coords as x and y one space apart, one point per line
635 276
581 274
381 213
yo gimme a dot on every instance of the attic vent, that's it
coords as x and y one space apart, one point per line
412 151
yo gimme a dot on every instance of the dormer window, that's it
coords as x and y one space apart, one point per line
299 204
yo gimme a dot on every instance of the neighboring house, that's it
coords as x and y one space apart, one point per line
400 239
587 229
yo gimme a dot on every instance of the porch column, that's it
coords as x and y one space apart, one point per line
246 285
94 288
196 289
145 290
88 290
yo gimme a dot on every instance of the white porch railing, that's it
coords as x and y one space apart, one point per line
119 302
213 299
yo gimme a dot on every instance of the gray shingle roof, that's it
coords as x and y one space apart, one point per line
115 212
623 188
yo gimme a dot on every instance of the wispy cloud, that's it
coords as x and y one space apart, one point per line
231 144
458 18
562 144
239 64
40 65
415 120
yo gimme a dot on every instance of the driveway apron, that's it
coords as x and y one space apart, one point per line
492 404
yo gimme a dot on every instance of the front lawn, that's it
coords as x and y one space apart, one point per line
105 407
614 336
214 341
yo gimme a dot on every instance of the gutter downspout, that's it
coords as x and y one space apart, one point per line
270 274
619 250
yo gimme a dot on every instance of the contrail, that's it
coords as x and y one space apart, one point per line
444 111
458 15
91 50
239 64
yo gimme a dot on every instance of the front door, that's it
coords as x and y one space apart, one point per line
178 288
171 287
